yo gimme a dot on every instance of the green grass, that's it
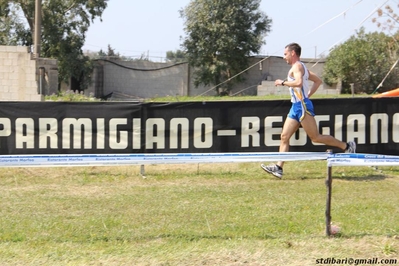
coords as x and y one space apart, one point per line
195 214
70 96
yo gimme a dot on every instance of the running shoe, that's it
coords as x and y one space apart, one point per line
351 147
273 169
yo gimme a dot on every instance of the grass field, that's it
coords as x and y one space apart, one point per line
195 214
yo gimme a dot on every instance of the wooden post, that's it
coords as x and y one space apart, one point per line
328 202
142 171
38 27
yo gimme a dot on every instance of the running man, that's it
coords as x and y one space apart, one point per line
301 112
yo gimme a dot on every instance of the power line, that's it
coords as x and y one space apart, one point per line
328 21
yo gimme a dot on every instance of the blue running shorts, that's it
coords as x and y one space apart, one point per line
299 109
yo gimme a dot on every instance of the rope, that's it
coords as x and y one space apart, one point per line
389 72
233 77
328 21
141 69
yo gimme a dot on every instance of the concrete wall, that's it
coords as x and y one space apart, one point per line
138 79
127 80
17 75
278 69
21 78
20 75
259 70
50 75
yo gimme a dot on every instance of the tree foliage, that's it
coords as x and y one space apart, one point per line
364 59
12 27
64 25
220 36
176 57
110 53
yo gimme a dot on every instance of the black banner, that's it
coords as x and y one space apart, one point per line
190 127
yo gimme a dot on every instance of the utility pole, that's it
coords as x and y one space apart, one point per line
38 27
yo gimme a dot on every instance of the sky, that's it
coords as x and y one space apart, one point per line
136 28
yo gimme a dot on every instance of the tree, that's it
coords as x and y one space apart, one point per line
387 19
12 28
176 57
64 25
221 35
111 54
364 59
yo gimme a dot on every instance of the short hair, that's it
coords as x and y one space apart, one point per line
294 47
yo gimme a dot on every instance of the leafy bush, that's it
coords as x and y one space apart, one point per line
71 96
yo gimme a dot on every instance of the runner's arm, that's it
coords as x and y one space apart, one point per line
316 83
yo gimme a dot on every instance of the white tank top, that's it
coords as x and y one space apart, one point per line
299 94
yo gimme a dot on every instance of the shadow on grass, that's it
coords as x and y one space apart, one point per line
359 235
380 177
337 176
